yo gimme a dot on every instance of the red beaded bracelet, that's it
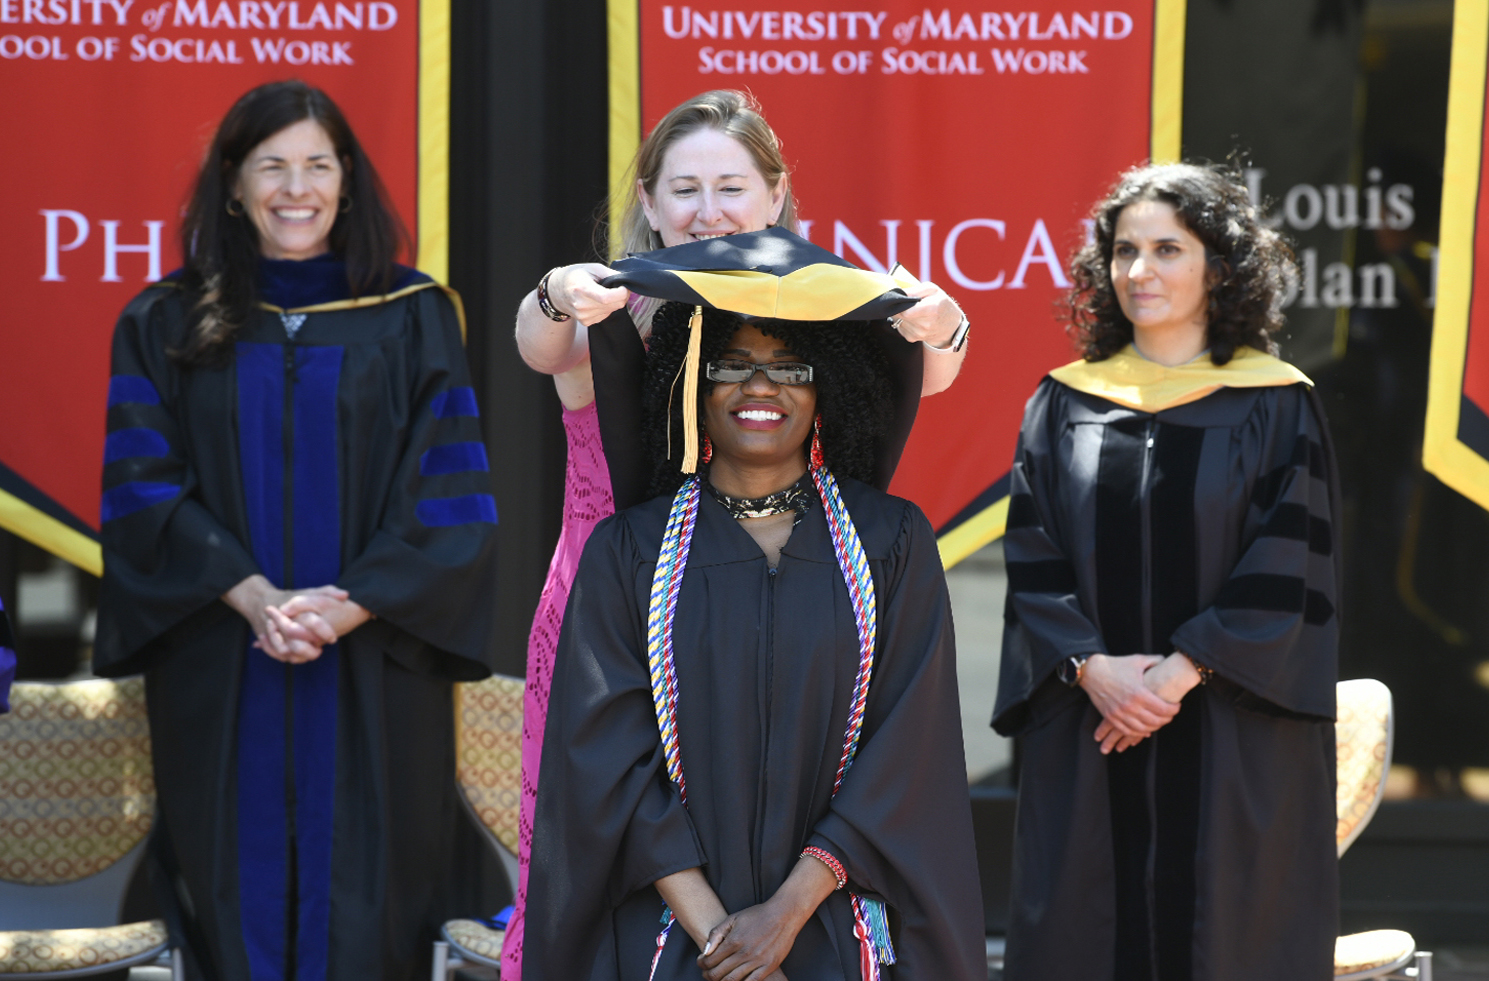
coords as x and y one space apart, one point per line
825 857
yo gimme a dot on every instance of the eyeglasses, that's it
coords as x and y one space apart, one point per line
780 372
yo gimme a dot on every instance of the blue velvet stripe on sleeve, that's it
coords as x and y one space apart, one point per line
132 388
454 403
442 512
453 458
136 495
122 444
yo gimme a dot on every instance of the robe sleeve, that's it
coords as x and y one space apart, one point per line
901 823
1045 621
1273 628
608 821
167 558
428 572
7 660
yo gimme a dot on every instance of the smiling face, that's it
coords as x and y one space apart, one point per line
1159 271
709 185
757 424
290 187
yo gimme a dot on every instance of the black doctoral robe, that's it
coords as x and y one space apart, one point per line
1206 852
766 666
307 816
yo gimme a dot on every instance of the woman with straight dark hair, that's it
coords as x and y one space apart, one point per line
1172 635
298 536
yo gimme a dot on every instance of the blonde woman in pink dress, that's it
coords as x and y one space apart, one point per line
711 167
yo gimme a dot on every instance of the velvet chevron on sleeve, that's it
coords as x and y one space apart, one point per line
1206 851
1046 618
1273 626
168 552
436 518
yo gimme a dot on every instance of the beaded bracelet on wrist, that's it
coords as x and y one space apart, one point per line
1205 674
826 858
545 304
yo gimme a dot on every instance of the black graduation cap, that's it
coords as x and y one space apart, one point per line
771 274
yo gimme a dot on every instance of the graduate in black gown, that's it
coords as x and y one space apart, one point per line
1170 652
298 539
731 821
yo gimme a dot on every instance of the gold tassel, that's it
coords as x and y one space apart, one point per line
690 392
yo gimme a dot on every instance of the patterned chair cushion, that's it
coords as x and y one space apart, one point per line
38 951
488 752
77 791
1371 950
471 938
1362 736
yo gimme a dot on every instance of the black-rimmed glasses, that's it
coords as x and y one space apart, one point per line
781 372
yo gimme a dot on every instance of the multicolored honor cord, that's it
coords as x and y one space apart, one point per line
870 922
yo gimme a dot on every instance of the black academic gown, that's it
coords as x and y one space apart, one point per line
1206 852
766 666
307 818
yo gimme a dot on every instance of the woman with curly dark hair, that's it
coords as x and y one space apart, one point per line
1170 651
854 397
753 728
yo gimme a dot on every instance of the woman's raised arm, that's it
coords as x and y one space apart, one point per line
552 346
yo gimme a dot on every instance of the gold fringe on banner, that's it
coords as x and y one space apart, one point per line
433 209
1166 112
41 529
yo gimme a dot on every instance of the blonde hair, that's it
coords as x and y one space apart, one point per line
732 113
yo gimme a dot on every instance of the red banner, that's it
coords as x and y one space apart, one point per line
966 144
109 106
1456 445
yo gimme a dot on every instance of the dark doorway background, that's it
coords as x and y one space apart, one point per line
528 137
1324 99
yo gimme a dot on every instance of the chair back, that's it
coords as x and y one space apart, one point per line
77 790
488 753
1363 735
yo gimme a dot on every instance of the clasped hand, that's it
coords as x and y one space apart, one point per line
1137 695
294 626
750 945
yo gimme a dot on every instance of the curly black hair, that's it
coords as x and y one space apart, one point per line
851 373
1253 263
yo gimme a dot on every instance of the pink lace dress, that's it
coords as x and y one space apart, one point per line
587 499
